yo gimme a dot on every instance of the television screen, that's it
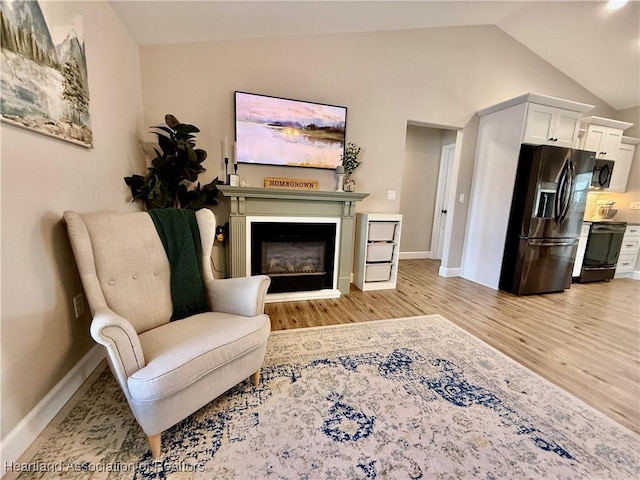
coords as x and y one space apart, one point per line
280 131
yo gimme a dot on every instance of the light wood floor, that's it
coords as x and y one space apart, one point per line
585 340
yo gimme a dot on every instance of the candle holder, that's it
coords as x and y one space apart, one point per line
226 170
340 175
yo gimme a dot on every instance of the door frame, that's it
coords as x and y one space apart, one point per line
444 184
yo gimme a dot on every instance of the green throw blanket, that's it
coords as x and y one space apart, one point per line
180 236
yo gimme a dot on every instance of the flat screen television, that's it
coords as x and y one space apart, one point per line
281 131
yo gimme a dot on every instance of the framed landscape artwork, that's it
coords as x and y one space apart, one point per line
44 79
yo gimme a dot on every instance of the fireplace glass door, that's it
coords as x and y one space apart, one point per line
296 256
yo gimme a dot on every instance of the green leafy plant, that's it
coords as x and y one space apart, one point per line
350 158
169 181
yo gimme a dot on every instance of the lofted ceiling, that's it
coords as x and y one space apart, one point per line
596 47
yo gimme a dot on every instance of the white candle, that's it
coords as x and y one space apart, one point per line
226 147
235 152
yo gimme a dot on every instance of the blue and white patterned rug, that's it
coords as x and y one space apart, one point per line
408 398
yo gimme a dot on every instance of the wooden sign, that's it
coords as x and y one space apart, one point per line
291 183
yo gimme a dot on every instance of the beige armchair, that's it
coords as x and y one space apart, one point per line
166 369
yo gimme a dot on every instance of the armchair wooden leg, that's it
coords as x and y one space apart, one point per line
256 378
155 443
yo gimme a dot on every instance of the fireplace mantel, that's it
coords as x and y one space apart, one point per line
254 202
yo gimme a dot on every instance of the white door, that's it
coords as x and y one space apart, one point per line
441 208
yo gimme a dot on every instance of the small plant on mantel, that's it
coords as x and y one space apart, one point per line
350 162
169 181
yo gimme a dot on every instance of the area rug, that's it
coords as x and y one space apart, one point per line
393 399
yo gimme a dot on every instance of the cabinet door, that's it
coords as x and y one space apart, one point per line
621 168
604 141
565 128
538 128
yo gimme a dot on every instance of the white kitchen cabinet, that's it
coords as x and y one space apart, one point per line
582 247
622 165
602 136
378 250
628 251
550 126
501 132
602 140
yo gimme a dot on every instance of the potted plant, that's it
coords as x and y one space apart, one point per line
169 181
350 162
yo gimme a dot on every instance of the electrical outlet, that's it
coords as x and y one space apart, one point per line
78 305
634 206
391 194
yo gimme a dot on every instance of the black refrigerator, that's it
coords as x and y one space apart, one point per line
547 209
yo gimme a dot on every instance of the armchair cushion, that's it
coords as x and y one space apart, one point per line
178 354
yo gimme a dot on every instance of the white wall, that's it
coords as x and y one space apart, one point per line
41 178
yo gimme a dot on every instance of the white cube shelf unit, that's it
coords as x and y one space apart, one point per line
378 249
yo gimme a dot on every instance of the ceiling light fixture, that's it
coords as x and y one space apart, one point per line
616 4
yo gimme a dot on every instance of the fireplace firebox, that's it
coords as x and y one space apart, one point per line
296 256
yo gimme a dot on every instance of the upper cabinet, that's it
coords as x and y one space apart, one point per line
605 141
546 125
602 135
622 165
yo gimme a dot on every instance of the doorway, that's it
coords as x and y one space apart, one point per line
424 233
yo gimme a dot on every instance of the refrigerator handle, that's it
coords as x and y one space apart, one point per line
568 191
542 243
559 196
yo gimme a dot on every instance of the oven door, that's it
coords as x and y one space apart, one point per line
602 252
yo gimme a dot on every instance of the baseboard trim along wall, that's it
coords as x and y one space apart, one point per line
413 255
635 275
27 431
449 272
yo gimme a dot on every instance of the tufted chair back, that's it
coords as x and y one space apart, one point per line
123 265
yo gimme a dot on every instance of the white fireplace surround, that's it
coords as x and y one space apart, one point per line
306 295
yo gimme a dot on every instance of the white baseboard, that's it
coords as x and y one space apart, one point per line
412 255
449 272
27 431
632 275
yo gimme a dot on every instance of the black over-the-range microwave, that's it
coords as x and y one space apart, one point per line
602 170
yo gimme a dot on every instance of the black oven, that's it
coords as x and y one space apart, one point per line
603 249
